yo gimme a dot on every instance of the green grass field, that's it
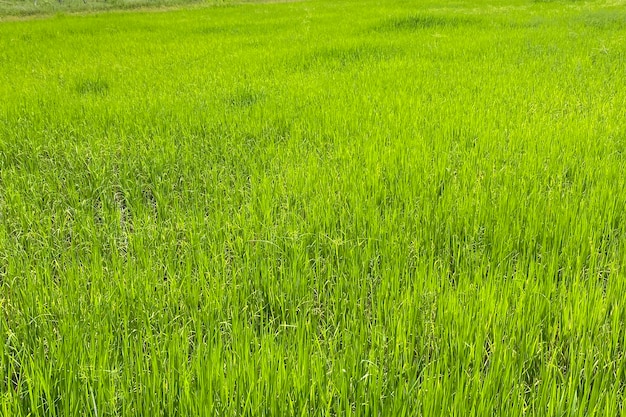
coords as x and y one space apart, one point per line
317 208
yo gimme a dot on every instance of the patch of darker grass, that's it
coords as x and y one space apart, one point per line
220 30
421 22
245 97
557 1
533 23
92 86
605 20
342 57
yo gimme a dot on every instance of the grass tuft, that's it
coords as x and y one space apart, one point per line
423 22
92 86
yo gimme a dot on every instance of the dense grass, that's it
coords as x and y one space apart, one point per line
278 209
20 9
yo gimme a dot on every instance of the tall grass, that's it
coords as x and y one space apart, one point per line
275 210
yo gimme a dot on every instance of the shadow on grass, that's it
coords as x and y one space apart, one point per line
245 97
422 21
605 20
343 57
92 86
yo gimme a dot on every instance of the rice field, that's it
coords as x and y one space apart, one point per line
315 208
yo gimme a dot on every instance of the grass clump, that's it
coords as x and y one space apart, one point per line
423 22
342 57
606 19
95 86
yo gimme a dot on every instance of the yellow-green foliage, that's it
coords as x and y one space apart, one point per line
371 208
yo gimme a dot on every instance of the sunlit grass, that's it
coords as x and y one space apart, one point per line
275 209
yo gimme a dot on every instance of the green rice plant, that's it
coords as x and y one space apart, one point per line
271 209
92 86
423 21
